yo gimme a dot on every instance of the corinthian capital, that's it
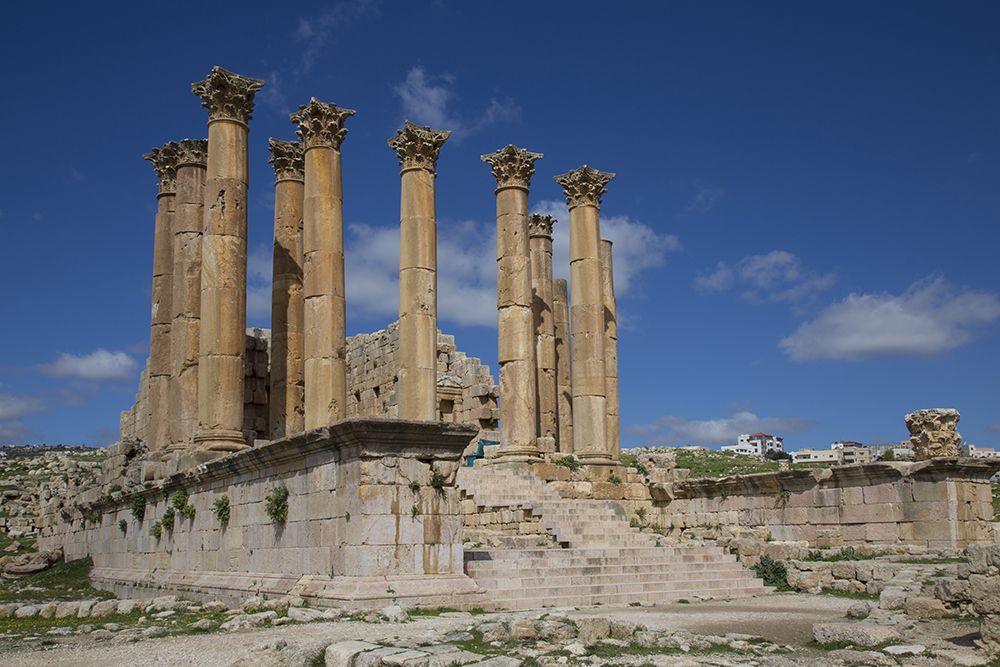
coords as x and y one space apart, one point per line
540 225
512 166
418 146
287 160
164 161
321 124
227 95
192 152
584 185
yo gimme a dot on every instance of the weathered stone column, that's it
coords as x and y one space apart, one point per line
540 231
321 129
513 168
583 188
164 161
186 306
417 148
285 398
229 100
613 425
564 388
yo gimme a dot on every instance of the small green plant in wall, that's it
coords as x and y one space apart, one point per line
138 508
221 509
437 481
276 504
179 501
156 530
167 521
569 462
123 526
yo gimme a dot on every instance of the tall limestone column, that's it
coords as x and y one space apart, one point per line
540 232
321 129
513 168
229 99
613 423
417 148
564 389
285 398
186 306
583 188
164 160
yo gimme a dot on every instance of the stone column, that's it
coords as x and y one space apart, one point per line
321 129
417 148
229 99
613 424
186 306
513 168
583 188
164 161
564 389
540 231
285 398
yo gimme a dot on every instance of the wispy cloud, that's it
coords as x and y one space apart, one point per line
15 433
675 430
97 366
314 33
428 100
929 318
13 406
705 198
259 276
775 276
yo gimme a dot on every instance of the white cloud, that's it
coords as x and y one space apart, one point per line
313 33
427 100
705 199
98 365
929 318
13 406
14 432
259 284
722 431
777 276
637 246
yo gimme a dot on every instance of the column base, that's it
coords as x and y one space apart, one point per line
518 456
220 441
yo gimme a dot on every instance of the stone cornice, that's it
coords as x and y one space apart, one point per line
418 146
512 166
164 160
321 124
227 95
192 152
287 159
584 186
541 225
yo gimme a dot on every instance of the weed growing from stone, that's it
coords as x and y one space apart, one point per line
221 509
276 504
123 526
138 508
773 573
569 462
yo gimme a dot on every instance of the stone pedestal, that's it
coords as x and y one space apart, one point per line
933 434
513 168
186 300
583 188
286 405
417 148
164 160
321 129
613 425
229 99
564 388
540 231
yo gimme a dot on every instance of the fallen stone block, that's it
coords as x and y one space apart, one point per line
342 654
858 634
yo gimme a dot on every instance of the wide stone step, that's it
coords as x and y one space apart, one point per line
600 554
634 588
488 569
619 599
504 581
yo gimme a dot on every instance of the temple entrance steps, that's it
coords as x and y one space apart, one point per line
536 578
590 554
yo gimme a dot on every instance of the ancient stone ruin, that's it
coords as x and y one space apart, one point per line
391 468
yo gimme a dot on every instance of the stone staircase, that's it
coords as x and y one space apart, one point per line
594 556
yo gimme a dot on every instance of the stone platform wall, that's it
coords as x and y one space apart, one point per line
372 516
936 503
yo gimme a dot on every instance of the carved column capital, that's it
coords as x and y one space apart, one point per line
164 160
512 166
287 159
584 186
418 146
227 95
541 225
192 152
321 124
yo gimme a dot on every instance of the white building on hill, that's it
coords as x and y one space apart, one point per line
756 444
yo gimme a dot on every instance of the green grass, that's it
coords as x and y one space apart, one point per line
847 553
435 611
837 646
850 595
931 561
178 624
605 650
62 581
712 464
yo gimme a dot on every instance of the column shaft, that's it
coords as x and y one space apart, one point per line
417 387
564 389
613 424
186 302
545 344
286 396
159 335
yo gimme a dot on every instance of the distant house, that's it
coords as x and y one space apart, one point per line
970 450
756 444
816 456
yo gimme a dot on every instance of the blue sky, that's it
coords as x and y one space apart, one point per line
806 212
